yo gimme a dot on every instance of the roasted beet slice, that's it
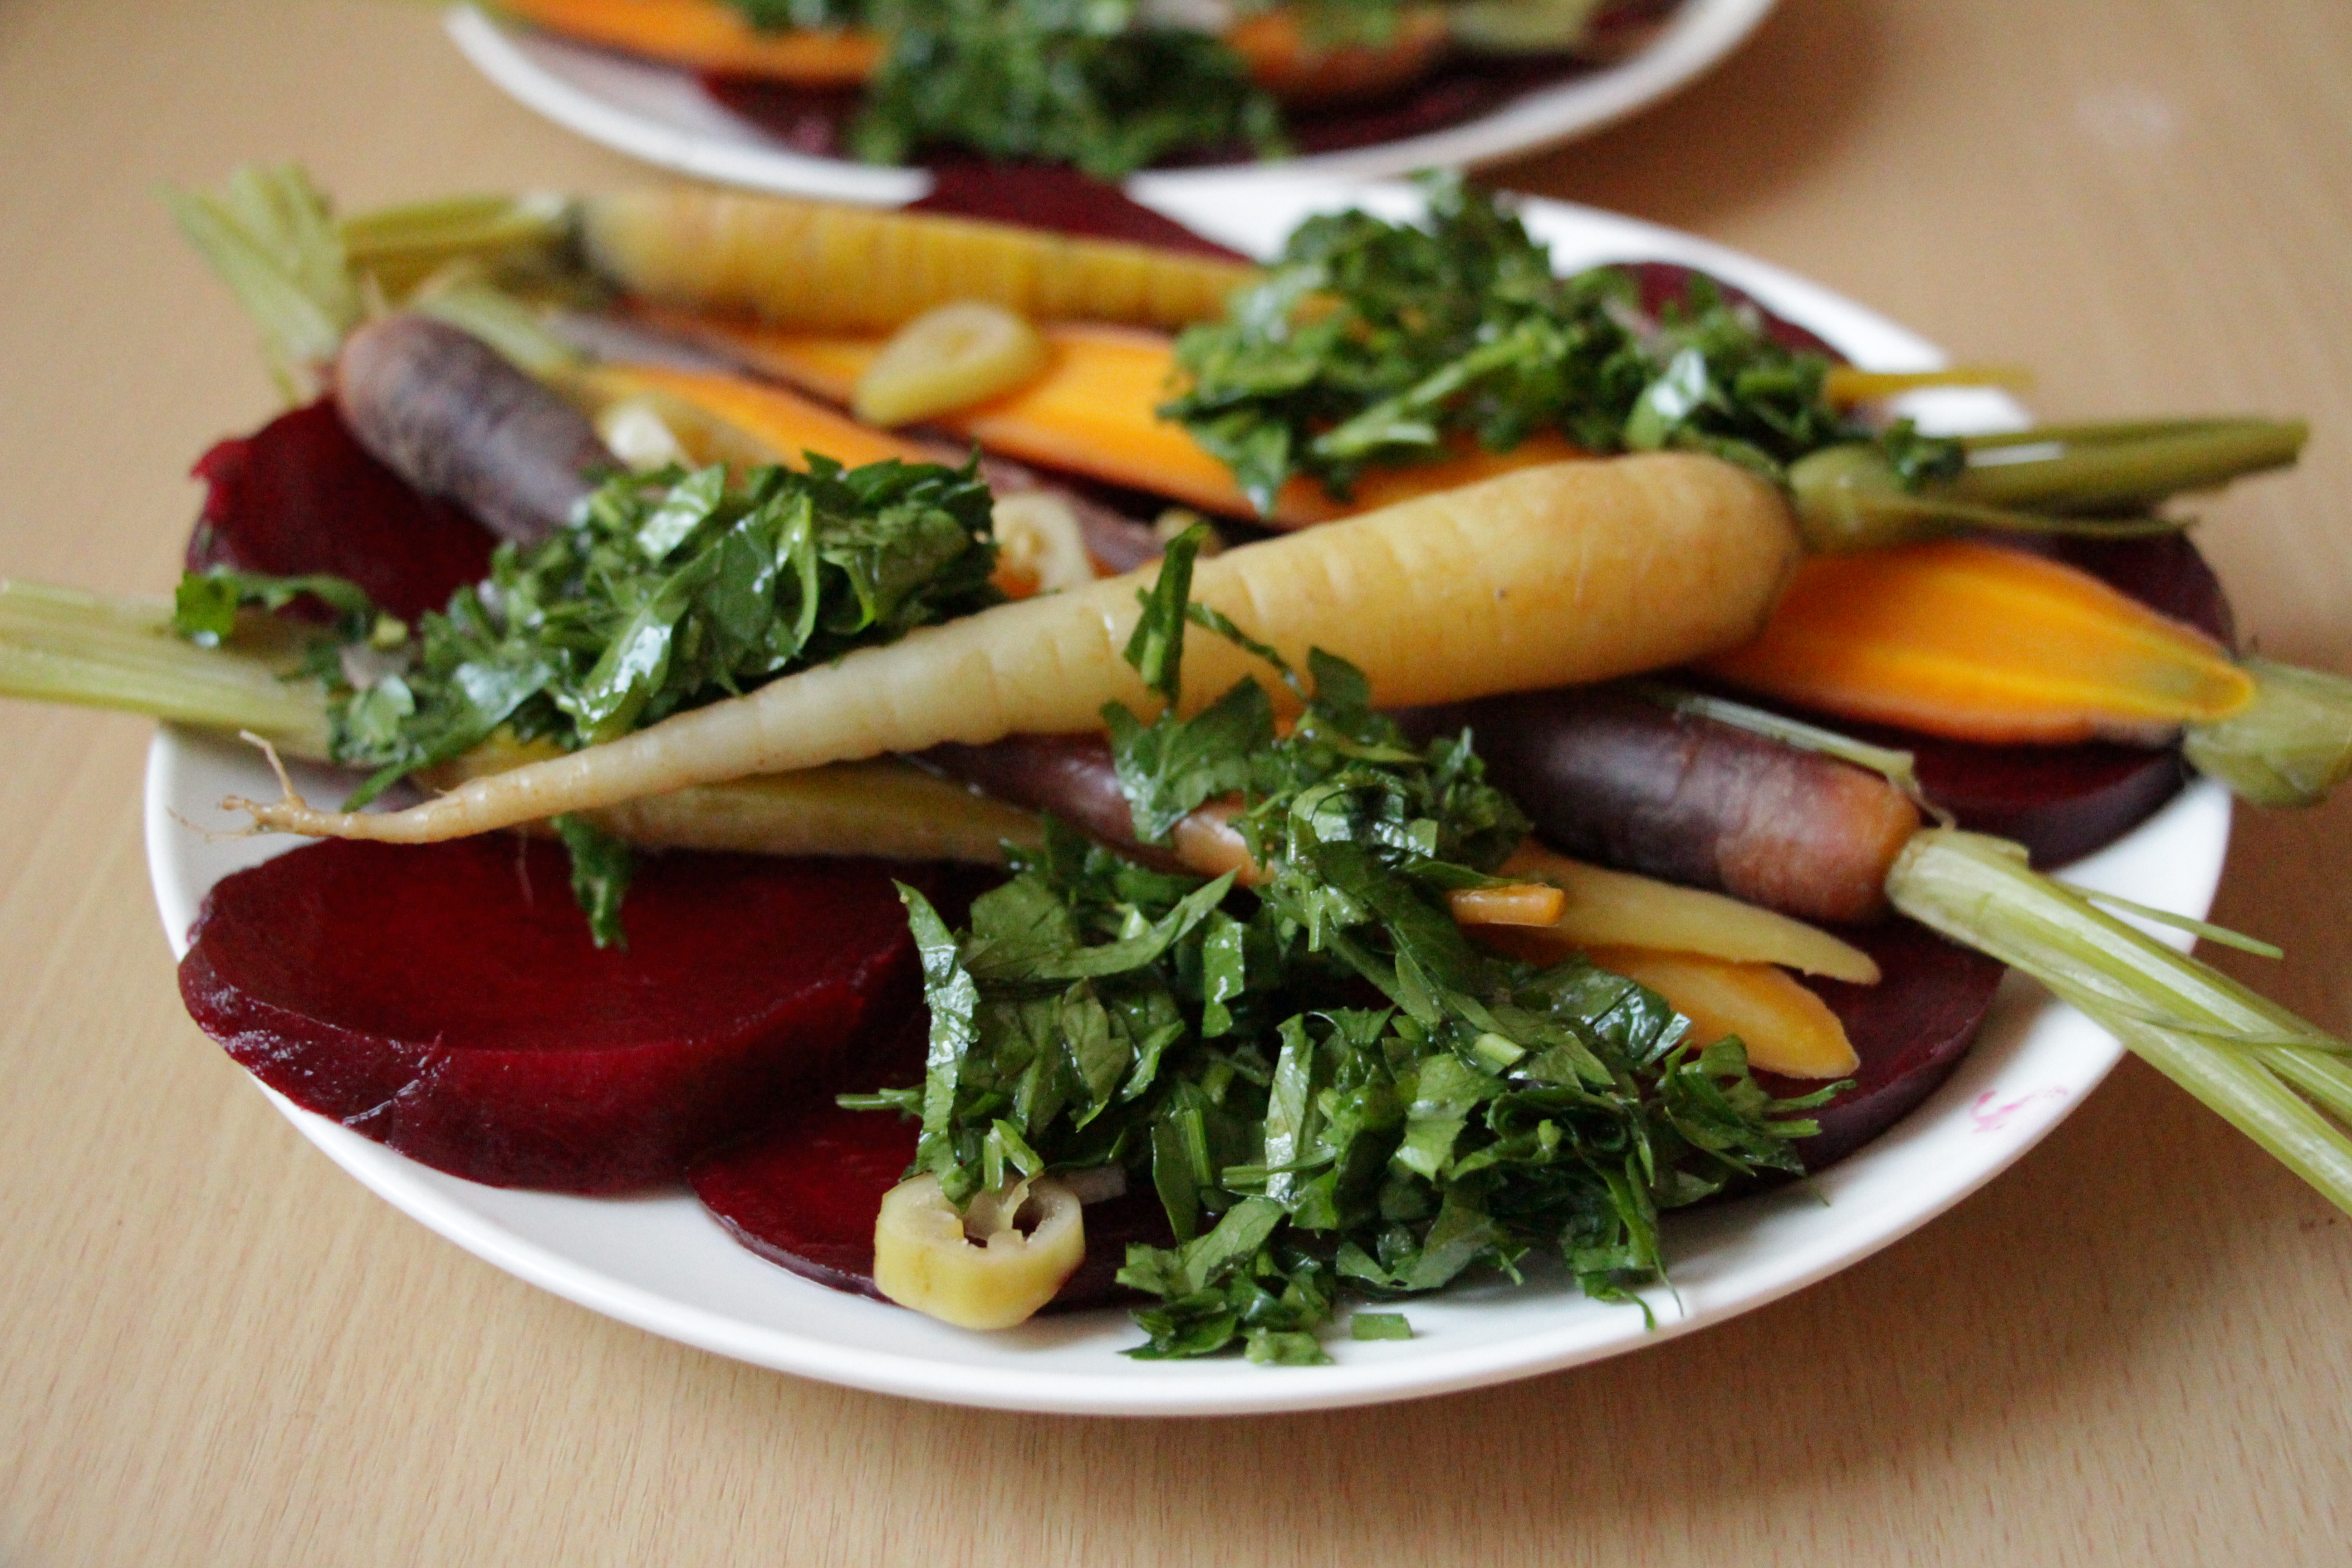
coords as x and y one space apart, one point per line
1664 283
805 1195
300 496
1047 197
447 1000
1911 1029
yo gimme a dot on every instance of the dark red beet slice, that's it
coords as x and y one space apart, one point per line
1664 283
805 1196
1037 195
446 1001
815 120
1911 1029
300 496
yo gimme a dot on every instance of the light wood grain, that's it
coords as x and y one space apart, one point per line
2132 1350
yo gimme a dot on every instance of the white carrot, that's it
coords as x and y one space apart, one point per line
1573 572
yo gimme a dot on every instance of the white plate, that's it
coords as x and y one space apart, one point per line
660 1262
661 114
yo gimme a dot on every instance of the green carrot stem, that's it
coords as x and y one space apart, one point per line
268 235
2289 746
2214 1037
2325 1079
402 245
2101 467
60 645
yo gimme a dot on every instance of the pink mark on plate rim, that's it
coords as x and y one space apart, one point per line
1989 1117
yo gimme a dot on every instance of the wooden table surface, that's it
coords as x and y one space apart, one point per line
2132 1349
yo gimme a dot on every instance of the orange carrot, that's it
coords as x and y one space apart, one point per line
1983 643
1091 412
707 36
1279 46
1287 60
1536 905
776 418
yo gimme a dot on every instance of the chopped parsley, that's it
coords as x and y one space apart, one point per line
668 591
1084 82
1374 343
1327 1085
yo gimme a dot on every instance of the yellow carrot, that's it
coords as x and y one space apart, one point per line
1618 909
887 808
1582 570
1786 1028
705 34
1984 643
1092 410
826 266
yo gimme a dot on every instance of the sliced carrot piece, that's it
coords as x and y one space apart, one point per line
1535 904
1786 1028
707 36
1982 643
1091 411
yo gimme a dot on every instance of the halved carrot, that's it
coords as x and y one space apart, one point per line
707 36
777 419
1786 1028
1983 643
1602 908
1092 411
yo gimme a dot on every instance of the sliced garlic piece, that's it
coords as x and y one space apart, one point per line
635 431
1039 546
989 1268
945 359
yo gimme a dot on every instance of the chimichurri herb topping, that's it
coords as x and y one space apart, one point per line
1325 1082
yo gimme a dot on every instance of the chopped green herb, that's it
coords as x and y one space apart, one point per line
1324 1082
779 16
1375 343
602 869
671 590
204 606
1067 81
1379 1326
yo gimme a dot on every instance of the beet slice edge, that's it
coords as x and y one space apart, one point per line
301 495
446 1000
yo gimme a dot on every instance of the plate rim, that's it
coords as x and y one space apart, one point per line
1700 36
180 865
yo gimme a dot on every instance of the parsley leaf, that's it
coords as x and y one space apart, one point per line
601 869
668 592
671 591
1085 82
1371 343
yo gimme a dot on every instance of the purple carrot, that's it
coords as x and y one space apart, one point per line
446 412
